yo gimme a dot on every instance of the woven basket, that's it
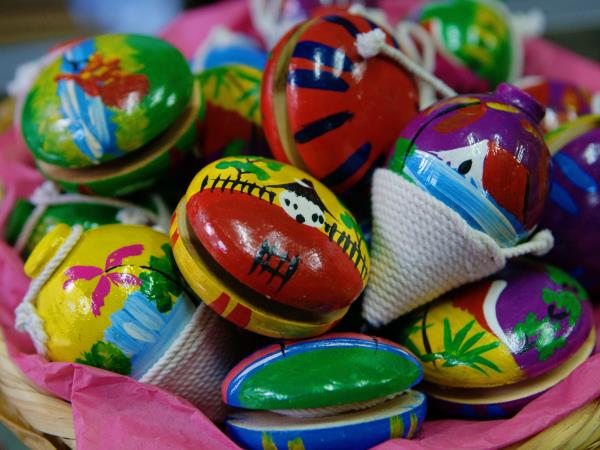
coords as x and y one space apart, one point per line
45 422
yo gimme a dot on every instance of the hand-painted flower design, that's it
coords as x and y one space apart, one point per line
107 276
103 77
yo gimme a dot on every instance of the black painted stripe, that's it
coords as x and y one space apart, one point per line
349 167
309 79
329 56
346 24
322 126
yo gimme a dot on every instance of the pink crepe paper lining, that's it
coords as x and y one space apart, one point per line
114 411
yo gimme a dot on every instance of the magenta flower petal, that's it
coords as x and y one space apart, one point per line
99 294
116 258
81 273
124 279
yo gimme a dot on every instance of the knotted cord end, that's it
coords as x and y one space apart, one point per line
370 44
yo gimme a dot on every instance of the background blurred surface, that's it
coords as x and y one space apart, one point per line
28 28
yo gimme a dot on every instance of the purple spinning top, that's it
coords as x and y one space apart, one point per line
483 156
573 210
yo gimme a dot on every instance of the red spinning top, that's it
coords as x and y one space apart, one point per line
326 109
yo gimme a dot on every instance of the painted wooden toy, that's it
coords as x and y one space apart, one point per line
268 247
477 46
107 118
484 157
31 219
115 300
229 122
338 391
573 210
563 101
492 346
326 109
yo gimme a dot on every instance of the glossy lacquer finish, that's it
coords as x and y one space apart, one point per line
116 302
401 417
278 231
519 324
325 108
103 98
334 369
573 209
477 48
563 101
229 122
483 156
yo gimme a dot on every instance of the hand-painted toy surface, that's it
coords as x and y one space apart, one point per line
268 247
563 101
346 391
477 47
528 327
327 110
116 302
573 208
110 109
483 156
229 123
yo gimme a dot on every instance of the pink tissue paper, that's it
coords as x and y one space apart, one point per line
113 411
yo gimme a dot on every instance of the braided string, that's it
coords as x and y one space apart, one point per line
373 43
26 317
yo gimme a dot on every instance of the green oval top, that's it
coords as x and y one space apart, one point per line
105 97
335 369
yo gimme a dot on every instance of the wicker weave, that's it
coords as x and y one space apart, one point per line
44 422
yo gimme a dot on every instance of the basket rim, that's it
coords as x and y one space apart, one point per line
40 409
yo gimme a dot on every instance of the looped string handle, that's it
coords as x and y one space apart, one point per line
406 34
47 194
26 317
373 43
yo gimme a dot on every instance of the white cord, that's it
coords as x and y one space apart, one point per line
47 194
373 43
406 34
268 21
26 317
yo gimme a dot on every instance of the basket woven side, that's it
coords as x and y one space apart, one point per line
27 410
578 431
30 412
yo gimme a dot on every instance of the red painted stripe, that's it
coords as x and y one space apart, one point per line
220 304
240 316
174 237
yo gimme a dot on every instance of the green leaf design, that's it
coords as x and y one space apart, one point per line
562 278
460 352
250 166
234 79
566 300
408 326
275 166
543 331
349 221
105 355
160 284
